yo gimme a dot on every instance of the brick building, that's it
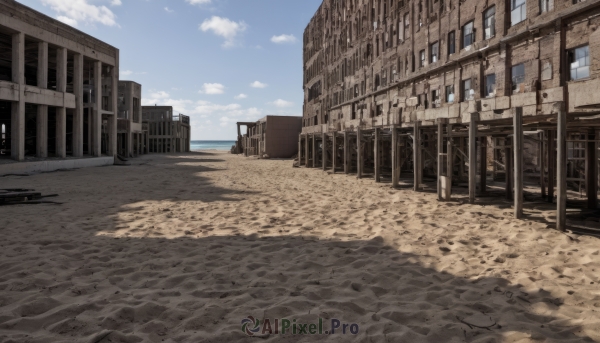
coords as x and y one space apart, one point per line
449 88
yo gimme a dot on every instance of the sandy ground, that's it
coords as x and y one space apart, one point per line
183 248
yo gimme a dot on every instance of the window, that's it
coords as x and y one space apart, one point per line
579 60
435 98
490 86
379 110
435 51
422 58
489 23
468 35
518 11
467 92
451 43
518 78
450 94
546 5
406 25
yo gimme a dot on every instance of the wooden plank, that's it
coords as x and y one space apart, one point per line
518 155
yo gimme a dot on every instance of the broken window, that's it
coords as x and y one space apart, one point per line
518 12
451 43
489 23
490 86
435 50
467 91
435 98
450 94
422 58
579 61
468 35
518 78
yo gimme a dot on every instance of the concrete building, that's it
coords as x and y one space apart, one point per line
166 132
131 139
447 88
275 136
57 88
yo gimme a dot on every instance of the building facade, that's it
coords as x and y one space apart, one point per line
275 136
166 132
58 88
428 85
131 138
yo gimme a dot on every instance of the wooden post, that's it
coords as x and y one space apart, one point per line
359 154
306 151
473 156
346 153
551 164
450 160
542 165
483 165
561 171
377 157
395 164
324 151
314 151
416 156
508 169
334 151
299 150
440 160
591 170
461 157
518 155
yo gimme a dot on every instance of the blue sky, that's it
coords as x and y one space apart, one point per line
218 61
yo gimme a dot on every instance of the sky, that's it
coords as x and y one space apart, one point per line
218 61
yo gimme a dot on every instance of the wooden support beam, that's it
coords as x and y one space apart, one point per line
542 164
359 154
306 151
395 158
518 155
377 157
551 150
417 156
561 171
591 170
334 151
483 165
473 156
450 162
440 160
299 148
508 174
314 151
324 151
346 153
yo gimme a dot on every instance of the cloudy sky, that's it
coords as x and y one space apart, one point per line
218 61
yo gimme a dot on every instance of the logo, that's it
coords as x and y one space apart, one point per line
247 326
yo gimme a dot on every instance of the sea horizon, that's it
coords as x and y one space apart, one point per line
222 145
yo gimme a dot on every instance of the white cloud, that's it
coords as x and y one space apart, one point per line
282 103
212 88
198 2
258 84
223 27
160 95
283 39
116 3
125 72
73 12
241 96
169 10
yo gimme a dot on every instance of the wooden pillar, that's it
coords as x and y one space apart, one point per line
417 157
395 155
542 165
551 150
306 150
561 171
324 151
61 112
314 151
440 159
42 110
483 165
473 156
518 166
346 153
334 151
377 157
508 169
450 162
461 157
359 154
78 113
591 170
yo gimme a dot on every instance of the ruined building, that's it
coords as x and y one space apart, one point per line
273 136
166 132
456 90
58 89
131 139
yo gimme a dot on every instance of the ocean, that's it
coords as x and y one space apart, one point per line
212 145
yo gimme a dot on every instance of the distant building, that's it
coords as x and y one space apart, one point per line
131 139
275 136
166 132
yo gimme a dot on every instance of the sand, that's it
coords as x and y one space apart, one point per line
182 248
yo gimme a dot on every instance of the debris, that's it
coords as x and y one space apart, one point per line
18 196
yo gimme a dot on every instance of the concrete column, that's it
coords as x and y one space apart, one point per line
334 151
561 171
78 113
324 150
440 159
97 111
473 156
42 110
417 156
61 112
346 153
591 172
377 157
395 155
359 154
17 149
314 150
518 155
113 101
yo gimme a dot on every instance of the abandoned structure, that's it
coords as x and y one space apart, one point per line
452 88
131 139
275 136
166 132
58 88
